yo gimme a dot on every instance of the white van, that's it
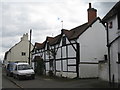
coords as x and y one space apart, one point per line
22 71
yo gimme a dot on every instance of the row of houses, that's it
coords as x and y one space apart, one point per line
75 52
90 50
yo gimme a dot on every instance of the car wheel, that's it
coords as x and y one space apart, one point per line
33 77
7 74
18 77
13 76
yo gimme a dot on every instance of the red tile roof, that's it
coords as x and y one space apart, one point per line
71 34
77 31
39 45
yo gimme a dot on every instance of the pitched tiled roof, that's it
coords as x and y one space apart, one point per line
55 40
77 31
39 45
51 40
71 34
112 12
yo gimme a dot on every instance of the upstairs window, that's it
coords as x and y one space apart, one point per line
23 53
64 40
110 24
118 15
48 46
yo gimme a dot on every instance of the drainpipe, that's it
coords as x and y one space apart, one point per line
108 45
77 59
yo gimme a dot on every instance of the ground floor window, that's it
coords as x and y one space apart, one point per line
118 57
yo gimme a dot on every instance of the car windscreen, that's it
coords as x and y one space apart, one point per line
24 67
10 67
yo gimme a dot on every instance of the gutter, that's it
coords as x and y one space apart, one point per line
113 41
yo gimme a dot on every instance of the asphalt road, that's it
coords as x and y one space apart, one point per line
43 82
53 83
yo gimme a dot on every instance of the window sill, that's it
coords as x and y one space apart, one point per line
118 32
118 62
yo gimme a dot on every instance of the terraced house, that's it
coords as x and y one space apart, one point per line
112 22
76 52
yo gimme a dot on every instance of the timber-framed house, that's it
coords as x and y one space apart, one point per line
76 52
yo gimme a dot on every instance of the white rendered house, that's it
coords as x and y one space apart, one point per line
19 52
112 22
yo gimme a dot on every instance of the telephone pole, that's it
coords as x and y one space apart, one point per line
30 47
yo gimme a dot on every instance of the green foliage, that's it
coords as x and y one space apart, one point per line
40 67
50 73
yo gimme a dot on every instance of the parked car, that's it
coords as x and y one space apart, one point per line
22 71
9 69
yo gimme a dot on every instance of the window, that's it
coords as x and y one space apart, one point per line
118 15
47 45
15 68
110 24
118 57
23 54
64 40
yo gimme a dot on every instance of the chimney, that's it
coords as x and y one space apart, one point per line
25 37
92 13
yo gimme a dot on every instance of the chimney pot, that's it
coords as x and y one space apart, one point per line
92 13
89 5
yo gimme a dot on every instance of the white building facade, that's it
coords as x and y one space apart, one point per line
76 52
19 52
112 21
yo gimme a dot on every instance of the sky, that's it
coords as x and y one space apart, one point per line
44 18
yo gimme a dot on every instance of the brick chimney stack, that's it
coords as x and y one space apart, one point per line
92 13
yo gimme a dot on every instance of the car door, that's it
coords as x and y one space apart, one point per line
15 70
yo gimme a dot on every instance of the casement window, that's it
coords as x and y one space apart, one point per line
118 16
110 24
47 45
23 53
118 57
64 40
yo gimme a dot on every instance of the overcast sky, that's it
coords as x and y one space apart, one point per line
43 17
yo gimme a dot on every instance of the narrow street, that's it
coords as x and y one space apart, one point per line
43 82
51 83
